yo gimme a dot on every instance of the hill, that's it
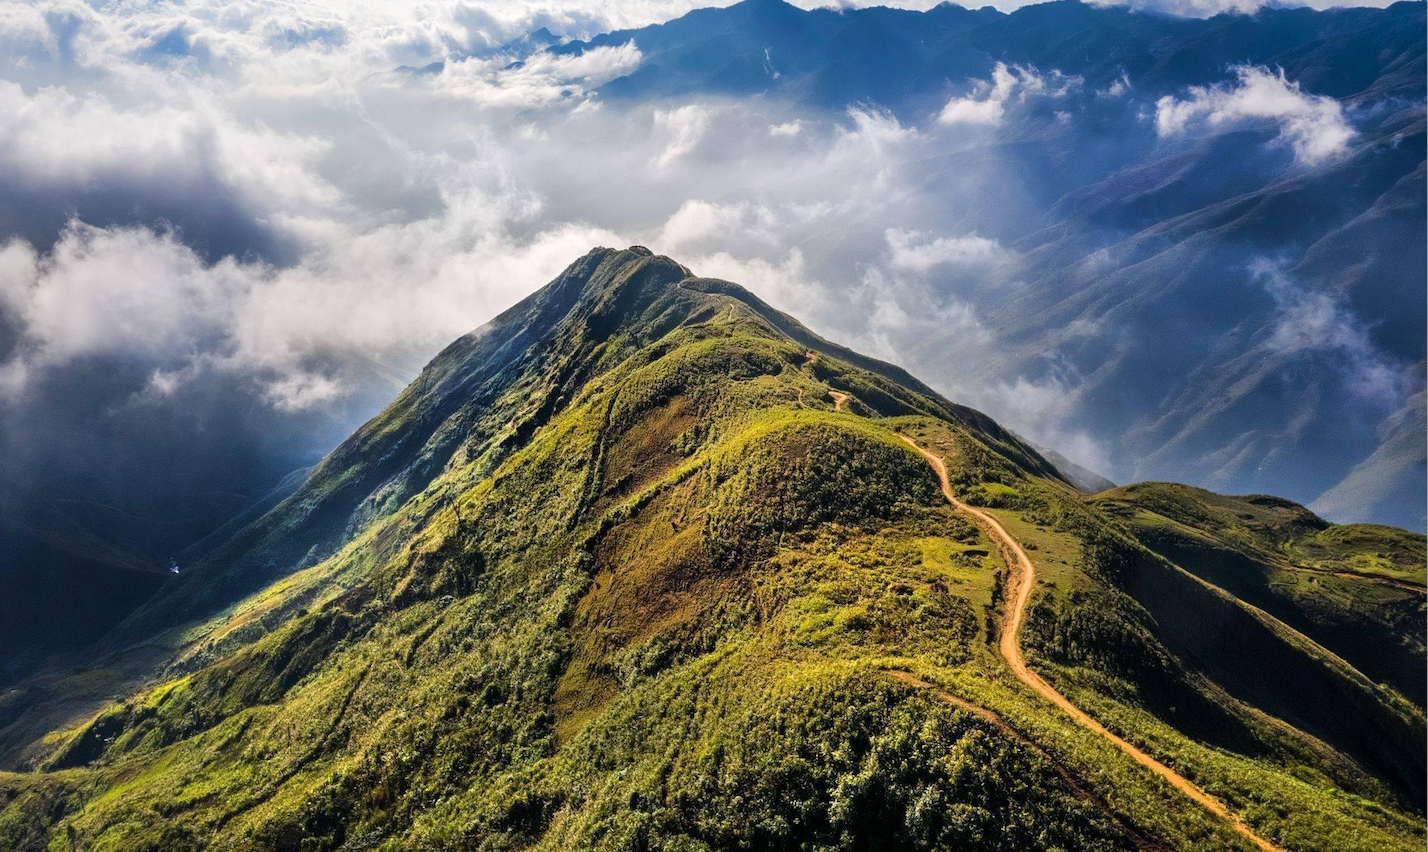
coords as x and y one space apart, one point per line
645 564
1356 589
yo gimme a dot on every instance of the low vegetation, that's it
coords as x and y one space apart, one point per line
656 593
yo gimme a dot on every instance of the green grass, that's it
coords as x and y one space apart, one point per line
654 601
1355 589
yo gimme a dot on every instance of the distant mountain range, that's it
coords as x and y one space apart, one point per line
644 563
909 62
1141 285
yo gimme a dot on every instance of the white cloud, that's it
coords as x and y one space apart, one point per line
135 293
303 390
542 79
986 103
115 291
988 100
55 137
1117 88
1313 125
918 252
697 223
895 311
1040 409
682 129
1308 323
984 110
784 282
875 137
1096 263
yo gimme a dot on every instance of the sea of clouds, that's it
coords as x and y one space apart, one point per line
245 200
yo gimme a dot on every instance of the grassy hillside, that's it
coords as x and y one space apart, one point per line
646 565
1357 589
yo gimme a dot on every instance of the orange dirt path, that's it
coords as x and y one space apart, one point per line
1023 580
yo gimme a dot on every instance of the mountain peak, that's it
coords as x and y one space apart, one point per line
639 499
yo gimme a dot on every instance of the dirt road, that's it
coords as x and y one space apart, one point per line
1022 581
1143 842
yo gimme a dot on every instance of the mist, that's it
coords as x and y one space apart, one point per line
230 232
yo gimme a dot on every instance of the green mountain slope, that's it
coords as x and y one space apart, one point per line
1357 589
644 564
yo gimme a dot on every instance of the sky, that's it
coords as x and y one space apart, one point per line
230 222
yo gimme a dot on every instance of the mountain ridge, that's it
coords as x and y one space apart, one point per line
638 565
1144 281
1128 240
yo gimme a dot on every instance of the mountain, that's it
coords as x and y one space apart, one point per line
1084 479
74 565
909 61
1356 589
645 564
49 549
94 518
1152 288
1391 477
1156 281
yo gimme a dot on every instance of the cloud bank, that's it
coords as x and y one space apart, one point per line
1323 325
299 203
241 217
988 100
1312 125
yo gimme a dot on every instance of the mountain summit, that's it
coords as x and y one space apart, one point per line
644 563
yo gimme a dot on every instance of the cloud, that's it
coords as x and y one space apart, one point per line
103 292
917 252
782 282
1313 125
368 217
143 295
1116 89
699 223
682 128
1044 410
539 80
988 100
1309 323
234 214
299 31
56 138
875 137
894 310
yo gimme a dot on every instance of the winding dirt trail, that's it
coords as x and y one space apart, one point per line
1023 580
1142 842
